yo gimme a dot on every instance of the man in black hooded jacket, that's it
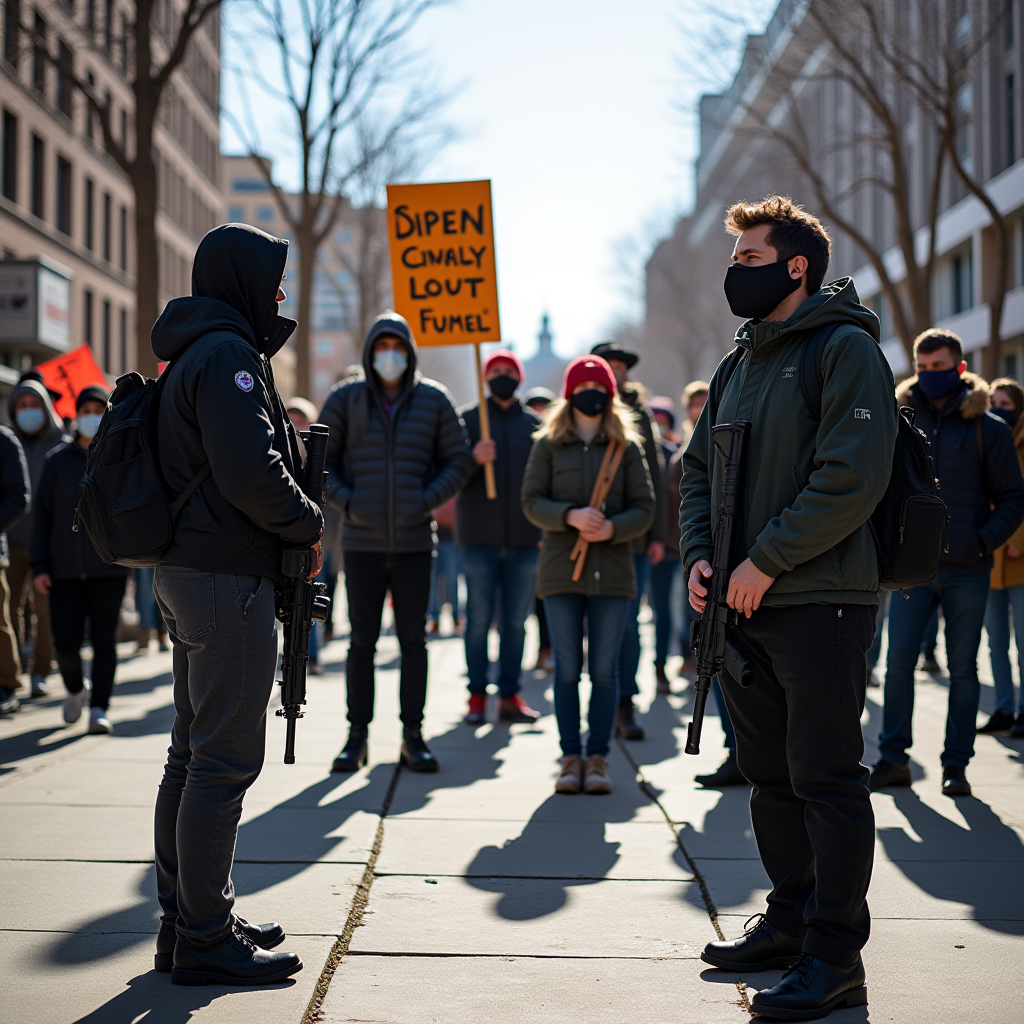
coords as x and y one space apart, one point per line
398 450
220 414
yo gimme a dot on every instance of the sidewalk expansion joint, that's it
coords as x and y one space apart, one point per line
525 878
509 956
698 875
340 949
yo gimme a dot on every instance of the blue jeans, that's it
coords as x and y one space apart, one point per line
663 575
444 580
629 654
145 601
962 595
497 580
1001 605
606 618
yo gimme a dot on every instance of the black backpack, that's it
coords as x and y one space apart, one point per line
123 499
909 522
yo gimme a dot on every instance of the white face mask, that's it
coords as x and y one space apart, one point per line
390 365
88 425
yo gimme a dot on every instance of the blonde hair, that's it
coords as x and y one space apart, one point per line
618 423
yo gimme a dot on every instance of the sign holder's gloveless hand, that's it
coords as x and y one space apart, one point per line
441 242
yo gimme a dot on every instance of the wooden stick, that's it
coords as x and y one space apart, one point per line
485 425
602 485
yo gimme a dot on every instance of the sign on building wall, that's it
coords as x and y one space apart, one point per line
35 305
441 241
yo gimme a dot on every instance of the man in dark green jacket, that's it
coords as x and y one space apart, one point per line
805 597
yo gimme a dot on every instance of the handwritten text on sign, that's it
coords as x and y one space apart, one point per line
442 261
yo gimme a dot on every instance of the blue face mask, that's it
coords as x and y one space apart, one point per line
88 425
30 420
938 383
1009 415
390 365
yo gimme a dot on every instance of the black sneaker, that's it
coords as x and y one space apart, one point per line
954 781
886 775
999 722
8 702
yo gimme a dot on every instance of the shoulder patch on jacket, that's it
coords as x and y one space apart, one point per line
244 380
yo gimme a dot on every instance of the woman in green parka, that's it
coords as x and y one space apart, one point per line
557 488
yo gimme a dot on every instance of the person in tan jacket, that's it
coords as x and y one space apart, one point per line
1006 590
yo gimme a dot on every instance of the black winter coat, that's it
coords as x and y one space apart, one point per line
984 493
388 469
630 393
15 491
499 523
219 404
59 550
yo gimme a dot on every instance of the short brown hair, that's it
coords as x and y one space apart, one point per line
794 232
937 337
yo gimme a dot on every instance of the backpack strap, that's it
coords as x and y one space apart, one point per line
190 488
812 380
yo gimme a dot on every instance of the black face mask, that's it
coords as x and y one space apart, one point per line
590 402
753 292
1009 415
503 386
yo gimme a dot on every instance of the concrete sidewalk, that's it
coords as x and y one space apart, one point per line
477 894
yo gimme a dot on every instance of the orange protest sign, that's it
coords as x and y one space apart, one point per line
69 374
441 241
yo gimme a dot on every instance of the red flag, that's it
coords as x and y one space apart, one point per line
69 374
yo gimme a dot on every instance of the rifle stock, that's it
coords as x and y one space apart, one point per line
712 648
300 601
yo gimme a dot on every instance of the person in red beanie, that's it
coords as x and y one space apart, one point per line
564 465
497 545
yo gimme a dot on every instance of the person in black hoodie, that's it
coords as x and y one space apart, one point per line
221 420
498 544
398 449
979 479
67 571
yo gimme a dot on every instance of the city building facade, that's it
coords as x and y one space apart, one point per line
64 201
688 327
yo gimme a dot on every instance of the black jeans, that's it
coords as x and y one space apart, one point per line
799 744
224 637
369 575
71 603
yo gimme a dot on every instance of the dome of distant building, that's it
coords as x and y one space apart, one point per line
545 369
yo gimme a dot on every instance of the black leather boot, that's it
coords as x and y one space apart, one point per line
760 948
355 752
266 936
236 961
811 989
416 755
626 724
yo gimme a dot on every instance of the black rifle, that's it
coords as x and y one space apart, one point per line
712 649
300 601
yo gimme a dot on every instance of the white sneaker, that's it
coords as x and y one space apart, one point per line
99 724
73 704
39 687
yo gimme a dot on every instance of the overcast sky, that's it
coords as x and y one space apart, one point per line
568 107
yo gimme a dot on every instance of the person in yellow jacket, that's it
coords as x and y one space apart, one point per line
1006 591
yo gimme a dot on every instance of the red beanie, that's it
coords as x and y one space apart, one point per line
587 368
509 357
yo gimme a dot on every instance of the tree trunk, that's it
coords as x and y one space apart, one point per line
307 275
147 255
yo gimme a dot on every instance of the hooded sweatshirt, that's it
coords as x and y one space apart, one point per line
36 446
983 490
810 485
390 463
219 404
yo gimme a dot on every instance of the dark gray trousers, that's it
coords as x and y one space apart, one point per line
224 639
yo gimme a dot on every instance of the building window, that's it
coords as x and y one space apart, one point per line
123 324
107 241
124 127
124 237
1011 120
90 114
89 215
10 169
108 27
64 195
39 55
1010 366
123 63
236 214
106 336
12 31
963 281
265 213
87 317
90 20
65 67
38 177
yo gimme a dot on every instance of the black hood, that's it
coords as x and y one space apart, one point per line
389 322
235 275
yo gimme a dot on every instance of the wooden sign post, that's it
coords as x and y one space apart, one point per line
441 242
